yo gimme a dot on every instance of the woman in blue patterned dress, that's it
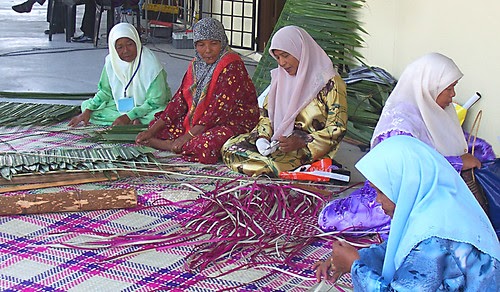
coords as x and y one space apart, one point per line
440 238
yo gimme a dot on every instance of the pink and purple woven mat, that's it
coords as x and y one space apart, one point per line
28 262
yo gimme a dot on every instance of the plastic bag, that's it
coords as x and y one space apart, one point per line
321 170
489 178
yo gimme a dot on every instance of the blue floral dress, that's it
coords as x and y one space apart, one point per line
435 264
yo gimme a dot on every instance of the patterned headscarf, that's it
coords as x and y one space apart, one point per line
431 199
412 106
207 29
288 94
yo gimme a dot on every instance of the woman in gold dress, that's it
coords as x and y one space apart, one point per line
305 112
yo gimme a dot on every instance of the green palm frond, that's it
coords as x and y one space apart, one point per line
365 101
95 159
25 114
46 95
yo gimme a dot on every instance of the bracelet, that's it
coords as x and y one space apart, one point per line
190 134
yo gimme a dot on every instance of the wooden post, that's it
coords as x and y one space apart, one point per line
68 201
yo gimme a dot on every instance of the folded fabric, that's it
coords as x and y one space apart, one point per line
357 212
263 146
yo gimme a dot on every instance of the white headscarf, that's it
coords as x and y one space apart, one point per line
120 72
412 106
290 94
431 198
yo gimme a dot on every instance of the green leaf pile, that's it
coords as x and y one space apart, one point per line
26 114
95 159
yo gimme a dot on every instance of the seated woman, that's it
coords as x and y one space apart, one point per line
440 238
215 101
133 85
305 111
419 106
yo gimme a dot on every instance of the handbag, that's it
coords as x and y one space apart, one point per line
488 177
468 175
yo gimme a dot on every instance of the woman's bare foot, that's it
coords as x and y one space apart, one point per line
160 144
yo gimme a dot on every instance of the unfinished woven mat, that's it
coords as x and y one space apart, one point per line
240 226
265 230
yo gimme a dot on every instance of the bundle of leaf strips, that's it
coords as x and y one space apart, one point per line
12 163
251 225
117 134
26 114
255 221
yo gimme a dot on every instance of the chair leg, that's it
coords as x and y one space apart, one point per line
110 19
97 24
51 18
138 18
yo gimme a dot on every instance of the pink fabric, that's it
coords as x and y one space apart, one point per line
290 94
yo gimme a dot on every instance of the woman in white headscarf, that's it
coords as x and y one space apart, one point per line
133 85
420 106
305 111
440 238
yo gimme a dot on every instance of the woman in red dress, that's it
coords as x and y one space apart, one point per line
216 100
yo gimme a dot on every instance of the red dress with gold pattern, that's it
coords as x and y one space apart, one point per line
227 107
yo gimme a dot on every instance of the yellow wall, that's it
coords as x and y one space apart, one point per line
466 31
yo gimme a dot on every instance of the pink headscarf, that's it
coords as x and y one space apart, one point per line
290 94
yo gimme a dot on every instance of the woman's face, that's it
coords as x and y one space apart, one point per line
287 61
445 98
126 49
209 50
387 205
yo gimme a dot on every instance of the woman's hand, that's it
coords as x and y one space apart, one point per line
121 120
291 143
470 161
179 142
343 256
83 117
143 137
325 270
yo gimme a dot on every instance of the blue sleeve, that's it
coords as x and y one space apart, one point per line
434 264
366 273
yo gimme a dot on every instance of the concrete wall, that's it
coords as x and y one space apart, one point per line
466 31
